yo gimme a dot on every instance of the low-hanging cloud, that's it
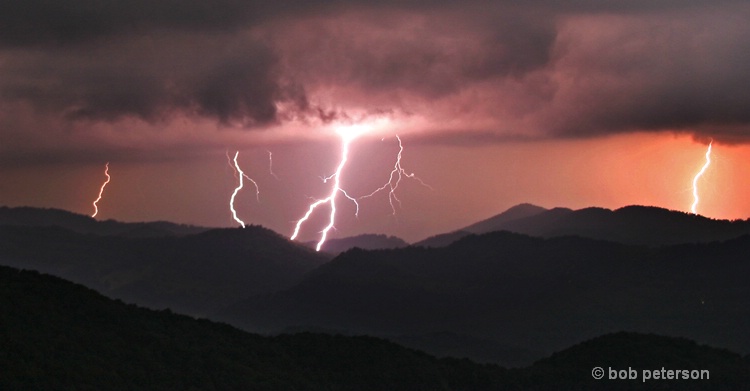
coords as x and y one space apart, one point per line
480 70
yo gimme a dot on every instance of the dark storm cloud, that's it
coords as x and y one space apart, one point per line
229 79
430 54
31 22
684 73
24 22
535 68
104 60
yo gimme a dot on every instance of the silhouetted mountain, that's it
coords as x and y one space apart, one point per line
366 242
496 223
634 353
193 274
448 344
536 294
59 335
442 240
641 225
38 217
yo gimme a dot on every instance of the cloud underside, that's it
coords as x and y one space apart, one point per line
486 70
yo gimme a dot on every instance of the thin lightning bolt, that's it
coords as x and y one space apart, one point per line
331 199
241 176
270 165
693 208
394 180
101 190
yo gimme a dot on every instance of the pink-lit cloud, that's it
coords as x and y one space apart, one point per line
480 71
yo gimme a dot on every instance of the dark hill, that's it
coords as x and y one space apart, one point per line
496 223
55 335
640 225
366 242
193 274
633 352
515 290
63 336
442 240
38 217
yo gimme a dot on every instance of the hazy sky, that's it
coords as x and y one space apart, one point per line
574 104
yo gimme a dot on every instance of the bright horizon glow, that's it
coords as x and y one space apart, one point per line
640 169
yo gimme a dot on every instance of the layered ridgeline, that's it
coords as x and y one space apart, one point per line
365 242
193 274
38 217
58 335
524 293
499 297
641 225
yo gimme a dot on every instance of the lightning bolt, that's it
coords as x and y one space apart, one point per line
394 180
693 208
239 174
395 177
346 139
270 165
101 190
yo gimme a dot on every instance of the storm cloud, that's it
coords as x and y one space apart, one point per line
479 71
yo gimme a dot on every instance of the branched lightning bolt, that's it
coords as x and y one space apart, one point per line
693 208
240 175
331 199
101 190
394 180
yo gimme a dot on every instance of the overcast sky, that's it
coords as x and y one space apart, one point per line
574 104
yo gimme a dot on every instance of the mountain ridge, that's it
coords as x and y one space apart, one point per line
364 241
46 217
633 224
106 344
193 274
519 290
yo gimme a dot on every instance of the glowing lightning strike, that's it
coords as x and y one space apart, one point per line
346 139
240 175
101 190
697 176
394 180
270 165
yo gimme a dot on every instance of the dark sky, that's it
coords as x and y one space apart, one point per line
574 104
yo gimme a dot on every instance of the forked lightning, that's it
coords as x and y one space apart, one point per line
240 175
394 180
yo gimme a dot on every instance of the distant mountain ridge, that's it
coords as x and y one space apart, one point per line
47 217
489 296
640 225
193 274
520 211
365 242
521 291
60 335
63 336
